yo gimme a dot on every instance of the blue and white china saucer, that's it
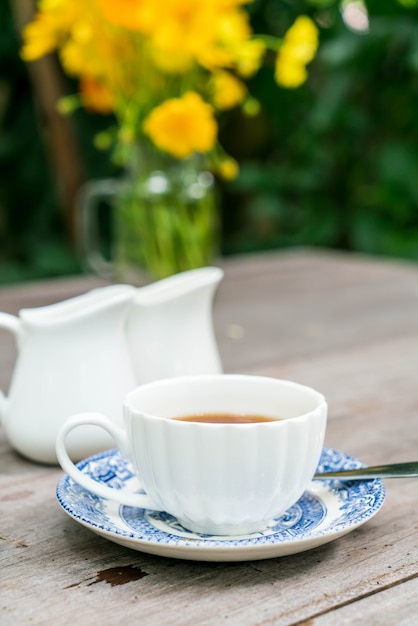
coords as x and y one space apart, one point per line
326 511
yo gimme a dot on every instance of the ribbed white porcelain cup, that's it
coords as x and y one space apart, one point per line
217 479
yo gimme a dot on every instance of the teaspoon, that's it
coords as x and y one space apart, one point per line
395 470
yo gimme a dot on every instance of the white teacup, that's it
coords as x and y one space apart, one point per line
218 479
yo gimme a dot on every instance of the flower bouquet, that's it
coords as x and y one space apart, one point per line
166 71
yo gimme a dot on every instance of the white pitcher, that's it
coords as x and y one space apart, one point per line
170 329
72 357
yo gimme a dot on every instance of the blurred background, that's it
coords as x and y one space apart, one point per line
333 163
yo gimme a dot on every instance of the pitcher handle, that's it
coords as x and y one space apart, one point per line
14 325
140 500
89 197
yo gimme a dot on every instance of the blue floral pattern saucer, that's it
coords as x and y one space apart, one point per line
326 511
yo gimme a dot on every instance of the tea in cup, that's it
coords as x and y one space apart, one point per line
225 454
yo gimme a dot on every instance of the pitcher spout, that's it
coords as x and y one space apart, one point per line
179 286
170 328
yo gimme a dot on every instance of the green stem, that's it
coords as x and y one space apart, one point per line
272 43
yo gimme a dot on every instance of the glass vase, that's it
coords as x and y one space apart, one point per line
164 219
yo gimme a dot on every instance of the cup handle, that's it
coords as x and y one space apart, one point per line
139 500
88 201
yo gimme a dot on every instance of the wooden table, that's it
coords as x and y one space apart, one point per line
346 325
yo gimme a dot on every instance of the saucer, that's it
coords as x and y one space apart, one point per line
327 510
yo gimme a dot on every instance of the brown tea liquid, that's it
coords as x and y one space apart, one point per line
226 418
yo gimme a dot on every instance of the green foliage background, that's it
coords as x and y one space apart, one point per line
332 164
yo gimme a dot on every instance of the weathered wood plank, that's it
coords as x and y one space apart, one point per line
397 605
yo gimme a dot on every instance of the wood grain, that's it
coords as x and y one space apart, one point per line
345 324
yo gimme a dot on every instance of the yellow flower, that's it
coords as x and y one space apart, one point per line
182 126
290 74
187 30
228 91
249 56
132 14
76 59
301 40
95 96
228 169
232 32
47 30
39 38
299 48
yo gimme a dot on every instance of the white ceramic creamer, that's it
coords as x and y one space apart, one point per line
72 356
170 326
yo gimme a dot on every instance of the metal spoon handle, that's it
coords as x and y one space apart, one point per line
395 470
